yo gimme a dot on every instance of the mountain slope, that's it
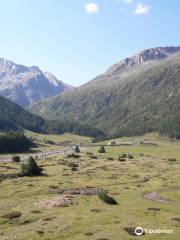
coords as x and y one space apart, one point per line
137 95
26 85
14 117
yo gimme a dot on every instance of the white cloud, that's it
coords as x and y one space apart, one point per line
91 8
141 9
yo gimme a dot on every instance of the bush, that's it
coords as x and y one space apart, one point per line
49 142
109 159
31 168
107 199
16 159
89 153
121 159
12 215
72 155
72 164
172 159
130 156
74 169
93 157
102 149
77 149
124 155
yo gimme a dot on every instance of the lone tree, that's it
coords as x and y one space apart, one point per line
31 168
77 150
102 149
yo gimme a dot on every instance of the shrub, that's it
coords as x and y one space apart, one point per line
72 164
107 199
50 142
109 159
172 159
102 149
77 149
72 155
74 169
89 153
130 156
31 168
124 155
12 215
121 159
16 159
93 157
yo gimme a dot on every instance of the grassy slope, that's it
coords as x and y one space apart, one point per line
72 138
121 178
134 104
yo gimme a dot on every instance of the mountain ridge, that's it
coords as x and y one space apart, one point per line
130 103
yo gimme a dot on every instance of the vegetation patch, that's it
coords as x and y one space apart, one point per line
16 159
154 209
107 199
172 159
89 153
76 149
102 149
15 142
122 159
177 219
95 210
73 155
31 168
12 215
93 157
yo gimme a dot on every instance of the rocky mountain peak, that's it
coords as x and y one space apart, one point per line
145 56
52 79
27 85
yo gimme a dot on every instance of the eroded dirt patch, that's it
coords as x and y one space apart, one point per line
154 196
60 201
83 191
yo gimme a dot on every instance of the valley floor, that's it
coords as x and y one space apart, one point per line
147 189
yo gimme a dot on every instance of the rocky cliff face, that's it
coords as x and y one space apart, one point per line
141 58
27 85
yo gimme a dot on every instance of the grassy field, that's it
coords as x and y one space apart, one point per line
64 138
154 168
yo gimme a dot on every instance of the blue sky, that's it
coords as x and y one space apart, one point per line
78 39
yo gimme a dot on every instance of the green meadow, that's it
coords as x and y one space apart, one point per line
146 188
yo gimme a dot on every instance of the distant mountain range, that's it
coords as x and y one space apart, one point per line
137 95
27 85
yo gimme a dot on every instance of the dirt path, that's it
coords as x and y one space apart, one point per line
154 196
24 157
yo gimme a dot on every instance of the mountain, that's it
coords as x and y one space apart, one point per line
137 95
14 117
26 85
